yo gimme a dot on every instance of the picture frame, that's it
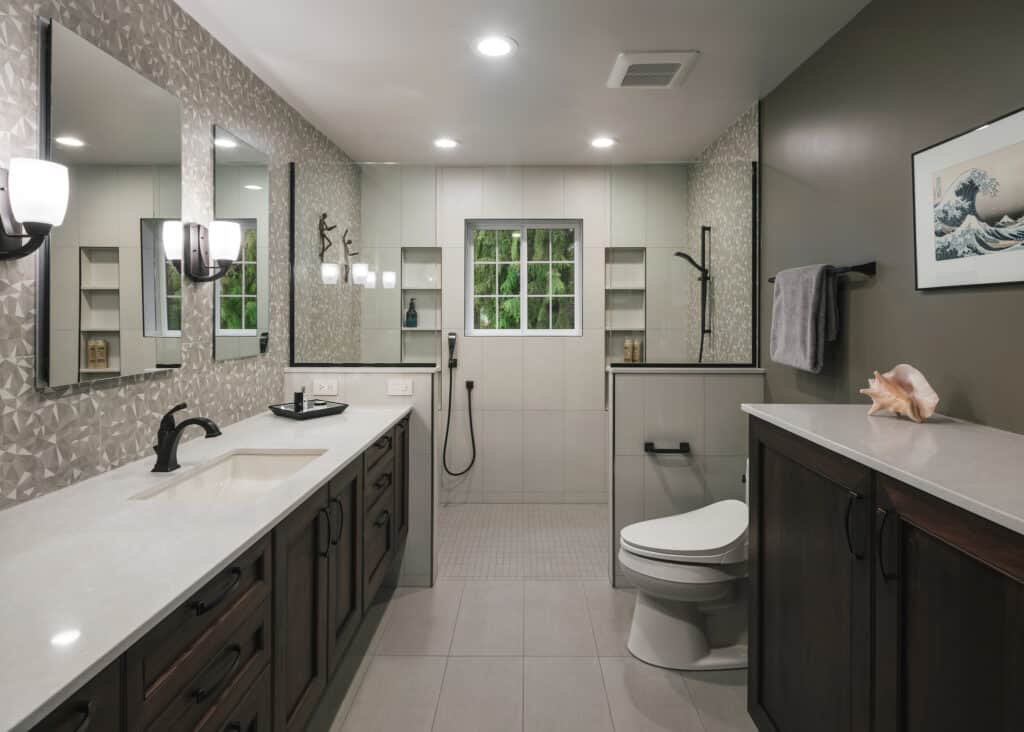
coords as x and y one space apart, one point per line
969 207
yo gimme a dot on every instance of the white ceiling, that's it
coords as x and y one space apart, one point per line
383 78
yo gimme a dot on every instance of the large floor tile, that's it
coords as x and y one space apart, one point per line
421 620
721 700
564 695
481 695
490 621
557 622
611 614
399 694
645 698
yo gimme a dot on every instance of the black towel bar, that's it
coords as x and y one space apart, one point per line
868 268
683 449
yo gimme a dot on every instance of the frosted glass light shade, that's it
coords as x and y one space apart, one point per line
225 240
173 237
359 272
38 191
371 280
330 273
387 280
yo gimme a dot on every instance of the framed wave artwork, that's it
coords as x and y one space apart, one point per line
969 207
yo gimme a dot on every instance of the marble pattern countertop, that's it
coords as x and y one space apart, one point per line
90 560
974 467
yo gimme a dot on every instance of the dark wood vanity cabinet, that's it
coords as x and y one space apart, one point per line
302 545
949 617
96 706
402 478
345 589
873 605
810 586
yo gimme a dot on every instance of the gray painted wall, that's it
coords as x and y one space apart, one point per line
837 137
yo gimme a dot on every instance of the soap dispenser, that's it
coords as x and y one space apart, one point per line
411 317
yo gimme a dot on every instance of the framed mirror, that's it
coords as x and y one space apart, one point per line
112 301
241 193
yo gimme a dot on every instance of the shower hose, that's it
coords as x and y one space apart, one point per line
448 424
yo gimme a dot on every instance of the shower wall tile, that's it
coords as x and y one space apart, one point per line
503 452
503 373
382 198
666 223
502 192
419 205
51 439
585 371
459 197
588 197
543 373
544 192
628 205
543 456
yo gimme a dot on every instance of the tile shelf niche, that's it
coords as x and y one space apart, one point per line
100 308
421 279
625 300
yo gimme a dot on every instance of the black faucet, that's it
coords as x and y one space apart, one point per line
169 435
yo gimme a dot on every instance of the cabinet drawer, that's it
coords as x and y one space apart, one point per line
96 706
169 656
379 479
252 714
378 537
380 449
226 673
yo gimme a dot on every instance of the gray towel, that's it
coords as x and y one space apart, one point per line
805 315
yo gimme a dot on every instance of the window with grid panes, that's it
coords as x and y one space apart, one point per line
237 292
523 278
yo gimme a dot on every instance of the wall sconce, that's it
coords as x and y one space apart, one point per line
371 280
387 280
359 272
330 273
33 199
207 253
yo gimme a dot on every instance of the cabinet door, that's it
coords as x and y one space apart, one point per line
344 606
949 593
301 549
810 583
402 478
96 706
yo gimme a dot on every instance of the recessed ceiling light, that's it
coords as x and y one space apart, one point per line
253 187
65 637
69 141
602 142
446 143
496 46
225 142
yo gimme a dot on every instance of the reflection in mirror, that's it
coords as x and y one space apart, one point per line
241 298
114 298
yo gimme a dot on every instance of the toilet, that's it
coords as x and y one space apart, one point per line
689 571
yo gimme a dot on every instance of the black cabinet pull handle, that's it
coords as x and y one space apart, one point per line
234 651
384 517
341 521
880 549
202 606
383 443
85 709
683 449
854 497
327 515
383 482
233 727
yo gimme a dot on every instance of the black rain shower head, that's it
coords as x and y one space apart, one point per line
691 260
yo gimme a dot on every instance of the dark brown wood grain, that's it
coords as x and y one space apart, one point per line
345 604
98 703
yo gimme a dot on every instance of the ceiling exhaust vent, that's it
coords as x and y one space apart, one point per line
652 69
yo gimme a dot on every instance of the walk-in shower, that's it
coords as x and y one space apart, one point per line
704 268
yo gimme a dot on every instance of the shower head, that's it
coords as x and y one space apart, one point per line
688 258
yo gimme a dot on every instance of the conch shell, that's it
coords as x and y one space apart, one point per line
904 391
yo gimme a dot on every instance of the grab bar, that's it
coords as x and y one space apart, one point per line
683 449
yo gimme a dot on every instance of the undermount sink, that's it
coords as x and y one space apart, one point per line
242 474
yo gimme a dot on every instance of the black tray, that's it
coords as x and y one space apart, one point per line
312 411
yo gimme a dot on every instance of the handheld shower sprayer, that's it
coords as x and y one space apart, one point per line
453 363
705 278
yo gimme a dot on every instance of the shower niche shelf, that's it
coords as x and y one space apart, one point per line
99 311
421 279
625 300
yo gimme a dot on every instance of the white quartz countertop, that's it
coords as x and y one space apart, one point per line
978 468
90 560
698 369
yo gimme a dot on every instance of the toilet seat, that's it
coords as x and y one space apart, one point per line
714 534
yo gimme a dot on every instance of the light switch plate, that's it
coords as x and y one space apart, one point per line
325 387
399 387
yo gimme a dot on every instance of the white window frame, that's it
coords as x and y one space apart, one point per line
161 284
522 225
244 223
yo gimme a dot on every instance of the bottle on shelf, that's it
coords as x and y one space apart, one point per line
411 316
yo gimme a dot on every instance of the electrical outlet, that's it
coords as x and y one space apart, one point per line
325 387
399 387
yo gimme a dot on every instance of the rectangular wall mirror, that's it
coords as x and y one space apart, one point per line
241 193
112 297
